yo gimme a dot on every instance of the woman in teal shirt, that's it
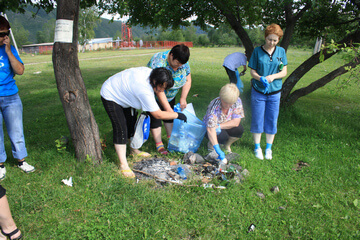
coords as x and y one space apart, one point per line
268 65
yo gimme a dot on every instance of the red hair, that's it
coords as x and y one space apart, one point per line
274 29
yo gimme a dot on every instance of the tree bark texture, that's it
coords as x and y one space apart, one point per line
73 95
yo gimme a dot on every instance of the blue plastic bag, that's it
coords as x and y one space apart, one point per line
187 136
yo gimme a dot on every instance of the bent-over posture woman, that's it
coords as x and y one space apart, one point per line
127 91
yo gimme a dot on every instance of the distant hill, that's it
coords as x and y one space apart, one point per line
33 21
34 25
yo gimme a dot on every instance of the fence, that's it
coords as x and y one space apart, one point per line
46 48
149 44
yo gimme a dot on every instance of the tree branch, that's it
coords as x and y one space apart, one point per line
319 83
311 62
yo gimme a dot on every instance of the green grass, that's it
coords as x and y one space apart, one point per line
321 129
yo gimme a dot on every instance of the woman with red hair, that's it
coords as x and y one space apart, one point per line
268 65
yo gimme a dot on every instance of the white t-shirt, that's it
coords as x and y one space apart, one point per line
131 88
235 60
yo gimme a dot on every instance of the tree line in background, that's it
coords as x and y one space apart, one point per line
37 26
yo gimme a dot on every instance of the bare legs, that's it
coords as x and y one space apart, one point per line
229 142
123 164
257 138
168 128
156 132
6 221
269 138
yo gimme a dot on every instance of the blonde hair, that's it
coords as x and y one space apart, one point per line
274 29
229 93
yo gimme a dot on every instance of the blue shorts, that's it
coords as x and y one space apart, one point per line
265 112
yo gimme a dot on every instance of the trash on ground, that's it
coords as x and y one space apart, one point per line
275 189
260 195
300 165
68 182
194 169
251 228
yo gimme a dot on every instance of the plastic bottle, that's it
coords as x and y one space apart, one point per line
182 173
222 165
182 139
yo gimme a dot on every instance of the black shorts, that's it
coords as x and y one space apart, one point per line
155 123
123 121
2 191
236 132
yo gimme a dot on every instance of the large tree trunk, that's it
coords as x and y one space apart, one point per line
240 31
235 24
291 20
80 119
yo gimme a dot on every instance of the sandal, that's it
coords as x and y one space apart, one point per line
127 171
161 149
9 235
141 154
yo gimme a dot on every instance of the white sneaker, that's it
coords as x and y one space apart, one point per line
259 154
27 167
2 173
268 154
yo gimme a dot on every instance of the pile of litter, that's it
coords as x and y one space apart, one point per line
193 167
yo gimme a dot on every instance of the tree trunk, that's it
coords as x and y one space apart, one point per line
306 66
240 31
291 20
235 24
318 84
80 119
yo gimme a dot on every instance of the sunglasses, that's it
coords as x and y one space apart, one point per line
3 34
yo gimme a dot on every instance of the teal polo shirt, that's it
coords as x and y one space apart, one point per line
265 64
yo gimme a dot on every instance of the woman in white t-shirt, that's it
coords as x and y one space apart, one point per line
127 91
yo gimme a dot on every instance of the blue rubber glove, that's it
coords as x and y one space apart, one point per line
177 108
218 130
265 83
219 152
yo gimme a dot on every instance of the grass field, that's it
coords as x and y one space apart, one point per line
321 201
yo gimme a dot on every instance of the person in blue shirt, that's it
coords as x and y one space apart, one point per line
176 61
231 64
268 64
11 109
